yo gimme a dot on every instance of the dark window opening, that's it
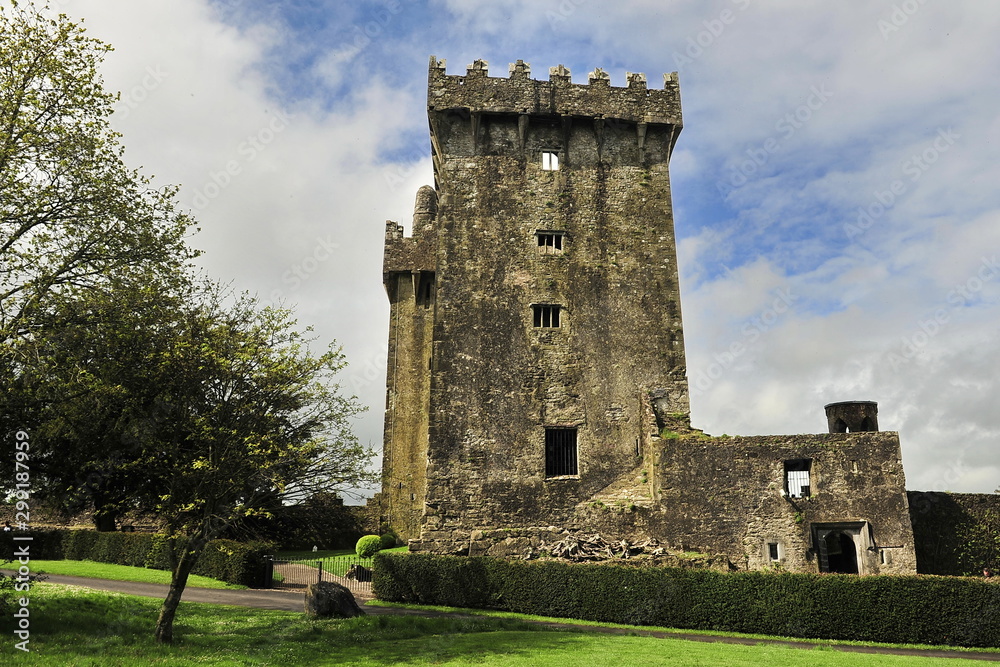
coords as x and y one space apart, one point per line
772 550
546 316
425 289
550 243
560 452
797 478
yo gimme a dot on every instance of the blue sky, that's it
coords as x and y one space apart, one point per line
834 186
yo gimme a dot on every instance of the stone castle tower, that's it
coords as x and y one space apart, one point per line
535 341
536 385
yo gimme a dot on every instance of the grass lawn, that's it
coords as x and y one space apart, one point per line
73 626
89 568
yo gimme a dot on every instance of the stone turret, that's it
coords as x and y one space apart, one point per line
852 416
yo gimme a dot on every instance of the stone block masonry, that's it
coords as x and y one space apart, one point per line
537 385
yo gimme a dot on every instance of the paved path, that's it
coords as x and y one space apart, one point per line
294 601
261 599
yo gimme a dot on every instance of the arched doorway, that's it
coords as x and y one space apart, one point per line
841 553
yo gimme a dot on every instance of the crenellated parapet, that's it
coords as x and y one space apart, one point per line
413 255
518 93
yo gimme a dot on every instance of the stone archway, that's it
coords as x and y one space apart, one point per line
842 547
841 553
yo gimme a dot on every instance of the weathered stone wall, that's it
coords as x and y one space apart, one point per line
474 380
728 496
498 380
409 278
942 526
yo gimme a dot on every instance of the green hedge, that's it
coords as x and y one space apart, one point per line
226 560
44 544
894 609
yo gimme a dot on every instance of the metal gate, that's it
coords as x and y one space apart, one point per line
295 574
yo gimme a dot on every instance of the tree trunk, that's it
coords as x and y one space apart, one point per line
178 580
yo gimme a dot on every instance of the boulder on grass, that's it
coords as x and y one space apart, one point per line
329 600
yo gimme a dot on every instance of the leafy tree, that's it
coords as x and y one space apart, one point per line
254 415
979 542
144 390
202 409
321 520
71 213
93 391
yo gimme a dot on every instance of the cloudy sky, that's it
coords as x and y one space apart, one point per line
835 186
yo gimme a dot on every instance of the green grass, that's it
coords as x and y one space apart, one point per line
637 628
74 626
89 568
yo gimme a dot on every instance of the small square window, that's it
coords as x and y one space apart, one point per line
560 452
546 316
550 243
550 161
797 478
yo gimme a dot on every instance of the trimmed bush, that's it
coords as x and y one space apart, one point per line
226 560
368 545
894 609
388 540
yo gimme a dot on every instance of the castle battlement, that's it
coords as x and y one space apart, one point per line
518 93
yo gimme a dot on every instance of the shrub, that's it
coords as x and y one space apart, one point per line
388 540
893 609
226 560
368 546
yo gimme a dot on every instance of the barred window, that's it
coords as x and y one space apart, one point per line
560 451
797 478
550 243
546 315
550 161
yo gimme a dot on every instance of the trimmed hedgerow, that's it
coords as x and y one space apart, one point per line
44 544
895 609
226 560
